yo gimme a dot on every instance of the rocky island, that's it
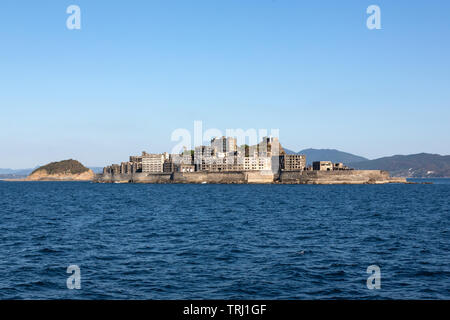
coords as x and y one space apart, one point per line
66 170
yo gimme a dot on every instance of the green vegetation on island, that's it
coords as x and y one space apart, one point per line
63 167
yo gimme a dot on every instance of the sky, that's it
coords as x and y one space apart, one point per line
138 70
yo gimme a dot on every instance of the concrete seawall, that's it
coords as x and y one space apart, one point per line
188 177
338 177
208 177
244 177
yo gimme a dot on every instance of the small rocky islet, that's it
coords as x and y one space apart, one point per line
66 170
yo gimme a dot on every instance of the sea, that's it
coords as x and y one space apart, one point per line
82 240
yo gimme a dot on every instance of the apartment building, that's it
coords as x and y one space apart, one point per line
153 162
292 162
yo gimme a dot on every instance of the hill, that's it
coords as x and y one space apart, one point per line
331 155
288 151
62 170
413 166
12 176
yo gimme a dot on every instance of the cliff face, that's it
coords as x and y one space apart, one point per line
67 170
43 175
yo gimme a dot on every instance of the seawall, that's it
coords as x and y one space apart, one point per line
188 177
339 177
244 177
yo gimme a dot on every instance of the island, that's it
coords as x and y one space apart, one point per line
224 162
66 170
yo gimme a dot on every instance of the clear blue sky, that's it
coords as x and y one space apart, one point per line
137 70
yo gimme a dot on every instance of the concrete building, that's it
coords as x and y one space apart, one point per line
322 165
216 164
175 161
339 166
137 162
126 167
185 158
115 169
168 166
203 157
203 151
236 163
292 162
270 146
153 162
247 151
224 145
184 167
256 163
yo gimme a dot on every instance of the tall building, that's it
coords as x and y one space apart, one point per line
292 162
153 162
203 156
255 163
224 145
184 158
137 162
236 163
179 162
270 147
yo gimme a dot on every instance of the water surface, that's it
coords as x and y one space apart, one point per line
135 241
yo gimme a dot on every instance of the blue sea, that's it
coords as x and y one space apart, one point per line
134 241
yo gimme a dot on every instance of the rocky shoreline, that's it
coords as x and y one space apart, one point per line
44 176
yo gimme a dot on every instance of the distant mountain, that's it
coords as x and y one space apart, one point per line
20 172
330 155
289 151
413 166
11 176
11 173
